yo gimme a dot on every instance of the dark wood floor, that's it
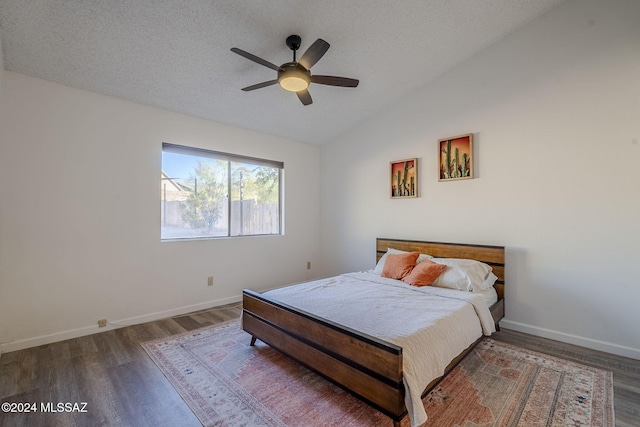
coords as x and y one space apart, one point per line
122 386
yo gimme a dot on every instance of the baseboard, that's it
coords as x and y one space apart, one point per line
507 324
88 330
607 347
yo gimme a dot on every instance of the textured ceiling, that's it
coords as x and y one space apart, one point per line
175 54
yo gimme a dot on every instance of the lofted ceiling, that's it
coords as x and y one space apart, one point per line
175 54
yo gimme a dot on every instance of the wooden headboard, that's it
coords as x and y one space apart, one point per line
492 255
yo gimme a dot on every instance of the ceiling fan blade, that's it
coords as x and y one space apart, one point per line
305 97
335 81
260 85
314 53
254 58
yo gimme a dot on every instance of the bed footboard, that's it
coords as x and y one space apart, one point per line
366 366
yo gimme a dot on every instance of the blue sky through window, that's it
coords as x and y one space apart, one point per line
179 166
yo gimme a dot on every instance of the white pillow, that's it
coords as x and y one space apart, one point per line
380 264
423 257
489 282
465 275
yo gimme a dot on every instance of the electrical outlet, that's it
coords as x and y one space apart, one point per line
210 281
308 265
102 323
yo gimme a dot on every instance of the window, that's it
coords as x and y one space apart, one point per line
206 194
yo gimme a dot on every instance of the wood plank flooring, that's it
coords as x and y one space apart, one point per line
122 386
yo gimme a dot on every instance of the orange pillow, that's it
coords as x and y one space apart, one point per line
425 273
396 266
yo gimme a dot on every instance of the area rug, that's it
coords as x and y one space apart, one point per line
226 382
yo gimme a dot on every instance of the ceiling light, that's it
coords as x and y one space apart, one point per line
294 77
294 83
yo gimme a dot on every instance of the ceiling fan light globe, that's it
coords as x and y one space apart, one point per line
294 77
294 82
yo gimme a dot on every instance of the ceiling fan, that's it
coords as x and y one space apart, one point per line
296 76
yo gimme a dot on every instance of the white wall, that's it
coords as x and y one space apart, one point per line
555 113
80 215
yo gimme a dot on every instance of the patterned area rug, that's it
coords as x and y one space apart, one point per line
228 383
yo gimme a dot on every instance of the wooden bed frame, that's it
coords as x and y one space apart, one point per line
368 367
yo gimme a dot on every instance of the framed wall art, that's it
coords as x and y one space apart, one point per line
456 157
404 178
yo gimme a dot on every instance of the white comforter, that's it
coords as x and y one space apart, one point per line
432 325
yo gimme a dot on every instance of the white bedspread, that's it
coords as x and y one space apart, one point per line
432 325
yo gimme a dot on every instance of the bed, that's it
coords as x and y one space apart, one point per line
370 367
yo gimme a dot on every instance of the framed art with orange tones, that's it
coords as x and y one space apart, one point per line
456 158
404 178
